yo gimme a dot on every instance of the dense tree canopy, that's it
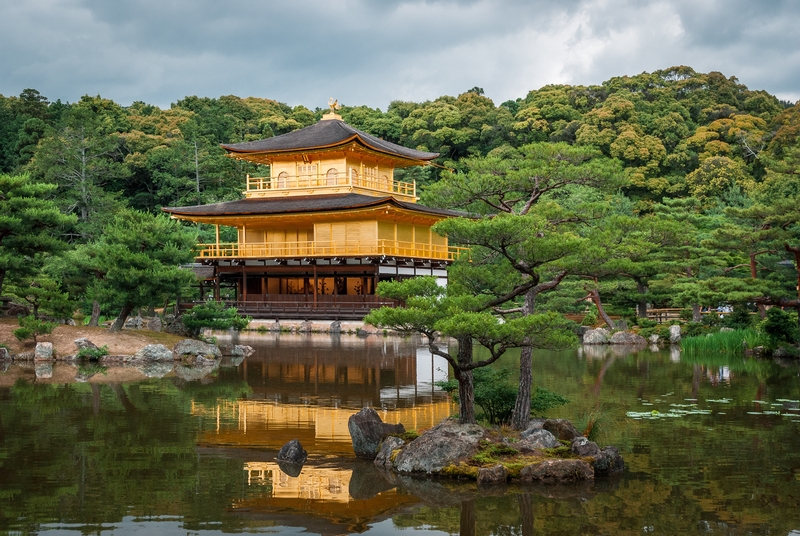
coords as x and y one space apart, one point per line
670 188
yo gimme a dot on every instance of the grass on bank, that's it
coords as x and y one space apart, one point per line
724 342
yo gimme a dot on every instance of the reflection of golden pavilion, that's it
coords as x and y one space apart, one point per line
329 222
321 430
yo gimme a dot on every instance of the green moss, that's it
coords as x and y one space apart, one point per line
408 435
461 470
560 452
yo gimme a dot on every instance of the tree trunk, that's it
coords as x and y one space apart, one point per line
696 316
94 320
466 389
123 316
522 406
595 295
2 278
762 310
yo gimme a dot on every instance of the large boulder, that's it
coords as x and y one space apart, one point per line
562 429
557 471
292 452
190 348
236 350
367 431
43 352
492 475
627 337
384 457
608 462
538 439
596 336
445 444
155 352
155 324
674 334
583 447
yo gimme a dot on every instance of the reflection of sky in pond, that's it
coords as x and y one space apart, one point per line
174 455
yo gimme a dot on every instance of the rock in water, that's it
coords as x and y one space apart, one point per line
367 431
626 337
537 439
492 475
443 445
562 429
4 355
608 461
674 334
583 447
44 351
189 348
155 352
596 336
292 452
384 457
557 471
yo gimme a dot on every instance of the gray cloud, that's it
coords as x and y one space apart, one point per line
371 52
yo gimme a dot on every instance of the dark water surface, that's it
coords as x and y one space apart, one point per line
712 445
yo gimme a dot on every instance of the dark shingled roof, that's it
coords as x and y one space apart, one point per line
324 134
303 203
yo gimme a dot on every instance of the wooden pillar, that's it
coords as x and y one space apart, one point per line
216 283
315 284
216 233
263 287
202 292
244 283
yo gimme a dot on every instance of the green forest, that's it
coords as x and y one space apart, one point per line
673 188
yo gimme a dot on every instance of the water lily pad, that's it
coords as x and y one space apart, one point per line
720 400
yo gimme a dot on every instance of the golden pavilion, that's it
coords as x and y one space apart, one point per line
327 224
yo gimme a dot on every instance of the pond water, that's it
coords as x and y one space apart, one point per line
712 445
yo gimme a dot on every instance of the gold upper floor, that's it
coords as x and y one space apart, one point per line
330 174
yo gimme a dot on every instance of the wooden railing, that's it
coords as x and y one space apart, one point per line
304 182
391 248
303 307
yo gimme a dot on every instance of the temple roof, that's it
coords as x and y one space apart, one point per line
325 134
306 203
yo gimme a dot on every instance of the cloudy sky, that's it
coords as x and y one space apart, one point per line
375 51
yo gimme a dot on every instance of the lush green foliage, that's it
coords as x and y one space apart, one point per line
31 327
92 354
214 315
779 327
495 394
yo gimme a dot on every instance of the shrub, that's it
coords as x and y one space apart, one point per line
646 323
590 318
686 315
693 329
740 318
779 326
496 395
92 354
31 327
214 315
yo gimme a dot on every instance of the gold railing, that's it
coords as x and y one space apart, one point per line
329 249
289 182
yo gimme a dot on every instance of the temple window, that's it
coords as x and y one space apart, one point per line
332 176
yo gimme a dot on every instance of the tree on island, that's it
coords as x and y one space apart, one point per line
437 312
528 238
